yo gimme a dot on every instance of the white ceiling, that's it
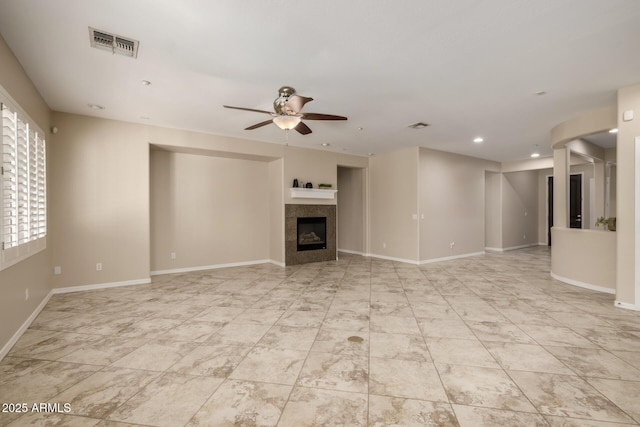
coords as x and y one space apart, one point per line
467 67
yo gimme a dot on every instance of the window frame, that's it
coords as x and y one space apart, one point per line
23 177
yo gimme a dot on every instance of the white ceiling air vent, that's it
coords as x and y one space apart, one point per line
113 43
419 125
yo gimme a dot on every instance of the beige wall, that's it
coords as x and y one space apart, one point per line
207 210
492 211
519 209
351 209
628 290
543 205
393 200
276 212
452 199
99 179
34 273
585 257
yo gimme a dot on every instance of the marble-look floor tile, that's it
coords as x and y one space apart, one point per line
342 342
593 362
526 357
149 328
193 331
57 346
301 319
238 334
499 331
52 419
155 356
398 346
310 407
564 395
413 379
255 316
271 365
243 403
98 395
346 322
580 422
631 357
43 382
394 325
391 309
460 352
428 310
104 351
446 328
293 338
12 368
625 394
486 387
556 336
211 360
394 411
335 372
170 400
612 338
473 416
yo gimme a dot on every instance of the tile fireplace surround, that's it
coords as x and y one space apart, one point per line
291 213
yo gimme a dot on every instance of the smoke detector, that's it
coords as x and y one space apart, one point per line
113 43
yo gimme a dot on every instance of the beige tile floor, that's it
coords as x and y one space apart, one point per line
490 340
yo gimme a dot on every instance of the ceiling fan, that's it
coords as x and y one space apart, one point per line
287 113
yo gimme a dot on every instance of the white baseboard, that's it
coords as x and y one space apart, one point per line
95 286
448 258
348 251
582 284
22 329
216 266
626 305
388 258
513 248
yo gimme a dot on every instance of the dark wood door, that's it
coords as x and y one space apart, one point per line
575 201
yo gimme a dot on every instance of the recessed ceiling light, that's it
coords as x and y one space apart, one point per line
478 140
360 128
325 144
371 154
145 117
541 92
96 107
419 125
534 155
615 130
145 82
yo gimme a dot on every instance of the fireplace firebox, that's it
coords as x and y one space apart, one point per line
312 233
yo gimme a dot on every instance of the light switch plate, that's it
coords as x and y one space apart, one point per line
627 115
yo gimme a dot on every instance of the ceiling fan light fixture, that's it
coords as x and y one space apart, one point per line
286 122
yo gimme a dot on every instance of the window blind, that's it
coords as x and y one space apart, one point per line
23 226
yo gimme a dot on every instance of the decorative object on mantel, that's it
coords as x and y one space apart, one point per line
609 222
295 183
312 193
308 185
287 115
324 185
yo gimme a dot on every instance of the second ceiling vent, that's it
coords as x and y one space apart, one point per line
115 44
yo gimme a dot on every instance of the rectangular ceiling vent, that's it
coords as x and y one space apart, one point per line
112 43
419 125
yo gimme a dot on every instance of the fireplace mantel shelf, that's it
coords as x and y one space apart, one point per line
312 193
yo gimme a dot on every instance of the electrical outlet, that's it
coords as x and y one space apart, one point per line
452 244
414 216
99 266
384 245
524 237
57 270
26 294
173 255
